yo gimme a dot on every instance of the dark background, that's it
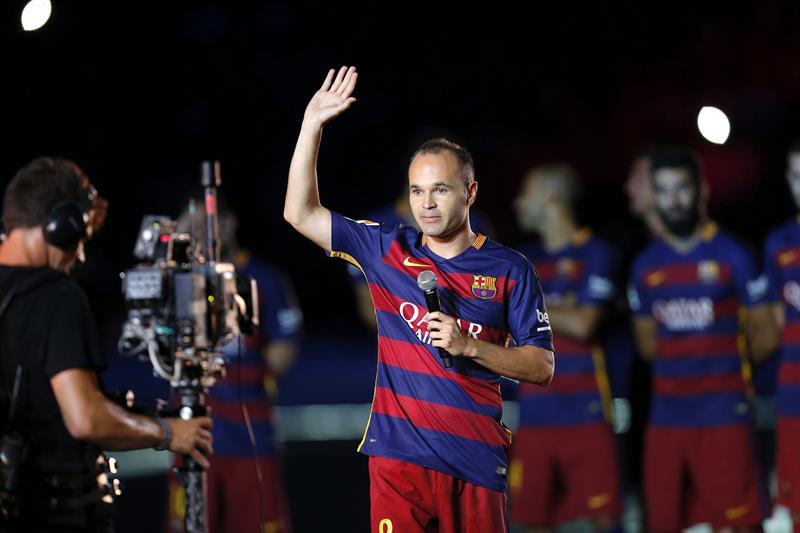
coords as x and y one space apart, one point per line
139 93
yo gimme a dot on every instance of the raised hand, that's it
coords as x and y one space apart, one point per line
333 98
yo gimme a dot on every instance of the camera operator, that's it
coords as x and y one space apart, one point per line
48 338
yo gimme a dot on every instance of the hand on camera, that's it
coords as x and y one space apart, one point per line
192 437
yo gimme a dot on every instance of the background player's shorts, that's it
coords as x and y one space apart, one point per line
788 463
406 498
707 474
562 473
233 497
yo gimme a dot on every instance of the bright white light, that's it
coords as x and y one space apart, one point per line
35 14
713 125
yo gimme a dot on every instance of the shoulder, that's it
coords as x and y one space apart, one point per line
781 236
653 254
514 260
731 247
595 247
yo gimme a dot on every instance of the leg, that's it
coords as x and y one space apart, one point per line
401 497
664 479
533 480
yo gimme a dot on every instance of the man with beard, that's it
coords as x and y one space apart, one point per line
782 265
688 291
564 461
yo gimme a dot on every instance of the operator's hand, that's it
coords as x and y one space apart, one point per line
446 333
333 98
192 437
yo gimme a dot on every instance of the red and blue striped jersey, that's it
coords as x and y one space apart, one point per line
581 272
444 419
248 375
700 376
782 266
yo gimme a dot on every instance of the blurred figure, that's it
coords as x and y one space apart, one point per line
564 463
398 213
638 187
689 290
233 485
782 265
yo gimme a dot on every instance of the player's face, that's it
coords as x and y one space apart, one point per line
529 205
677 200
438 196
793 176
638 187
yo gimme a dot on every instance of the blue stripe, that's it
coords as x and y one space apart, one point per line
790 354
700 410
788 400
433 389
574 365
554 409
225 392
728 324
696 366
231 438
696 290
467 459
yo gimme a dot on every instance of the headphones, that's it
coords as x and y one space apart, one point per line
68 221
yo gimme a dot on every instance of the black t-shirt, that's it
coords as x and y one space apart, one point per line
47 328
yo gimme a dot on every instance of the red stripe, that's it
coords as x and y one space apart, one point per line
440 417
705 345
683 273
791 333
569 347
548 270
726 307
732 382
233 411
250 374
789 373
388 302
570 383
417 358
459 283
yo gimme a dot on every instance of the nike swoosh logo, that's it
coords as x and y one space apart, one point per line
407 262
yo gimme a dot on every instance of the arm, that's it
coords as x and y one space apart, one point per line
526 363
280 355
577 322
644 333
302 208
92 417
761 330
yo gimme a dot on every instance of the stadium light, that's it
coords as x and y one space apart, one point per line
35 14
713 125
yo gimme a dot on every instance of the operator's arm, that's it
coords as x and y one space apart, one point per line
92 417
303 209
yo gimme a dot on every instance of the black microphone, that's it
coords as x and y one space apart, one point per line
427 282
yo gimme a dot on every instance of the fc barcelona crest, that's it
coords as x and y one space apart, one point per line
484 287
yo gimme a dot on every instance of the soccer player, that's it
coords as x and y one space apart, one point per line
233 482
693 293
564 463
782 265
436 446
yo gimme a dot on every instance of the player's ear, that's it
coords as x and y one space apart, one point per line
472 192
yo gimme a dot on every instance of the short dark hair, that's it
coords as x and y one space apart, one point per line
37 187
676 157
440 144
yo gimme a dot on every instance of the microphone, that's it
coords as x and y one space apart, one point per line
427 282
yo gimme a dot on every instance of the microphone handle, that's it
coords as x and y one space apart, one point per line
432 301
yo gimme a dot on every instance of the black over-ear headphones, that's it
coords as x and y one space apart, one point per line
67 222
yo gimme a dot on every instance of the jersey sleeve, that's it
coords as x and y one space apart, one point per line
71 333
528 321
360 242
639 297
772 271
752 286
597 283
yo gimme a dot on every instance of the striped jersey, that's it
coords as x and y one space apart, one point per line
248 376
579 273
444 419
782 266
700 375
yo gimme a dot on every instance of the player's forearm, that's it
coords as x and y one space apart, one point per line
525 363
302 193
574 322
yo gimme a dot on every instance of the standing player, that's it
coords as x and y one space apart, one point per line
233 482
782 265
694 293
436 444
564 462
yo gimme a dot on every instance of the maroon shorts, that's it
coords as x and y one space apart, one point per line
561 473
708 474
788 463
233 497
406 498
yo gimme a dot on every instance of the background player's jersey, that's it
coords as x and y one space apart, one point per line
422 413
700 377
782 266
581 273
280 319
